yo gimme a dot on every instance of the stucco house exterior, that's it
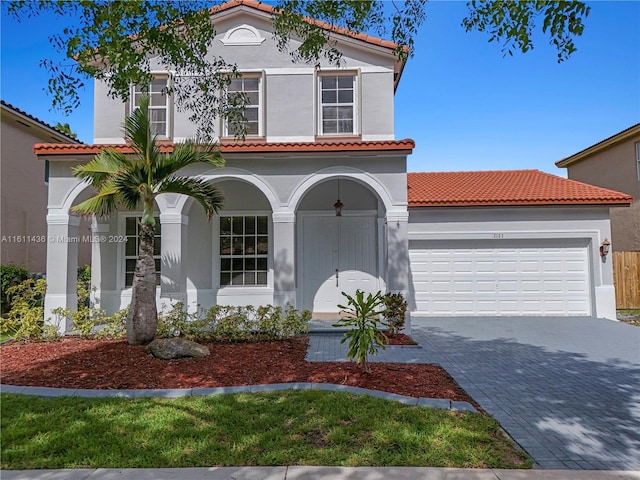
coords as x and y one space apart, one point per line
466 243
613 163
24 189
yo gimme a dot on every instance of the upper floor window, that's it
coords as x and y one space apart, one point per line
337 104
245 92
158 104
638 158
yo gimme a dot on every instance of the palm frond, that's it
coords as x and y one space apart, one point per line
131 186
185 154
102 204
103 166
137 129
202 191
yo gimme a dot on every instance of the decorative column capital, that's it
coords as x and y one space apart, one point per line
283 217
63 219
174 218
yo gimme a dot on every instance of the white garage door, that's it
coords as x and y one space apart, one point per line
477 278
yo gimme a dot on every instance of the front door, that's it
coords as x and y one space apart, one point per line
338 255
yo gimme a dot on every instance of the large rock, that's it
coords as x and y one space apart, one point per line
169 348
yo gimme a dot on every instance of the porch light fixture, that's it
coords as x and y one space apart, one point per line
604 248
338 205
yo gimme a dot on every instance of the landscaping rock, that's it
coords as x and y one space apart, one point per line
170 348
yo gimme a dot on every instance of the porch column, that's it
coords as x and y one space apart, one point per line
398 255
173 278
284 286
99 232
62 268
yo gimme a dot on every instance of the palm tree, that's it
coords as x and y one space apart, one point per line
133 183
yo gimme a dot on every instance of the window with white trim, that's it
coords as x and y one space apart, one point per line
158 104
337 95
132 246
638 159
245 91
244 249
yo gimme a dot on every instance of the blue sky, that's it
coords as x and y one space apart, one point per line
466 106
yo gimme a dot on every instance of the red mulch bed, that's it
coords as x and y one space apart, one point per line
112 364
400 339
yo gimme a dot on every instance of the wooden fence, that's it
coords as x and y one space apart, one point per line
626 278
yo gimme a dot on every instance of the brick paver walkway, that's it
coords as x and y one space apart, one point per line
566 389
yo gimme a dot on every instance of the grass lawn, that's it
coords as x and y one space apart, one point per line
632 316
275 428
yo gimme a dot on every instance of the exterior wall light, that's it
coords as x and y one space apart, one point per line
338 205
604 248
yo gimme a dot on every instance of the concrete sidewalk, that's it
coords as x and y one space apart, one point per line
314 473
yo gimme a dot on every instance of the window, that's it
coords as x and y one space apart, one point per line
337 105
244 246
132 231
245 91
158 104
638 158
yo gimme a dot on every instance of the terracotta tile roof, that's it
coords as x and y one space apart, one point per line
28 116
271 10
241 147
507 187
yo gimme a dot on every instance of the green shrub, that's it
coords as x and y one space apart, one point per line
366 337
232 323
396 311
10 275
25 320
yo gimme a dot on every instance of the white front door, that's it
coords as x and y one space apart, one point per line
338 254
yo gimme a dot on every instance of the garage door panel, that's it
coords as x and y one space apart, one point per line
500 280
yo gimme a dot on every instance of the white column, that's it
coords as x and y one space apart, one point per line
398 255
62 267
284 285
173 279
99 237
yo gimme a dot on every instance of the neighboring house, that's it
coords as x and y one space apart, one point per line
24 189
473 243
614 163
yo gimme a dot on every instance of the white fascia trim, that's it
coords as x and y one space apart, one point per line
367 138
290 71
504 235
109 140
287 139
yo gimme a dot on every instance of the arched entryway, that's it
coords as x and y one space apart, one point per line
338 253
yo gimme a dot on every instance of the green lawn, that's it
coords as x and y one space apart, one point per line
275 428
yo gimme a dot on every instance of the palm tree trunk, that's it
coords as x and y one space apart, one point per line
142 321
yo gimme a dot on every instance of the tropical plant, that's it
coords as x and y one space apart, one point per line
366 336
10 275
396 311
133 182
66 129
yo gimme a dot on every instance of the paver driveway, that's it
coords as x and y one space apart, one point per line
566 389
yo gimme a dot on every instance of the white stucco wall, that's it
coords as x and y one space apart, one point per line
290 103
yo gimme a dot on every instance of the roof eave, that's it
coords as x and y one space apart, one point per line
600 146
599 203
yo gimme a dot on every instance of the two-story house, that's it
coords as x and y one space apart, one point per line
613 163
318 202
23 225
